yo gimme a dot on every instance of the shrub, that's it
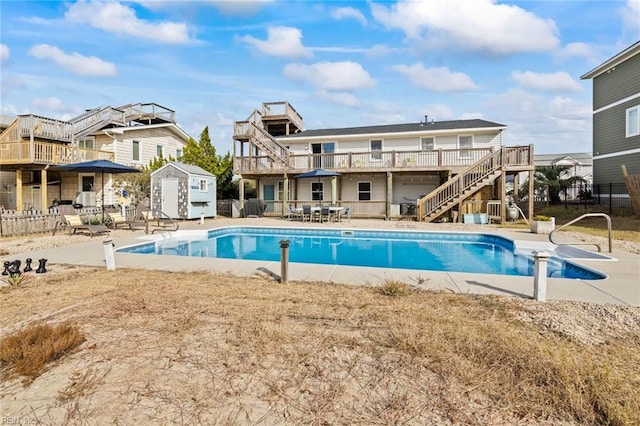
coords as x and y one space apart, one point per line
542 218
393 288
29 350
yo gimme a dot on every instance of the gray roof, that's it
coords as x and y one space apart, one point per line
547 159
191 169
610 63
399 128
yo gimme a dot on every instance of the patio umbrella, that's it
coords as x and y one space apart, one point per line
317 173
98 166
320 173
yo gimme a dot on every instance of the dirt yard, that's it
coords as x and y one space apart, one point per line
202 348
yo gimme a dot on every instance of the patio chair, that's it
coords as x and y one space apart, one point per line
74 223
346 212
294 213
325 212
306 213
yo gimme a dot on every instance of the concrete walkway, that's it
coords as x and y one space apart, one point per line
621 287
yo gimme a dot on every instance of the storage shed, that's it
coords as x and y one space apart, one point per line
183 191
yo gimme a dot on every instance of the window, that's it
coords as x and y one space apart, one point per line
427 144
376 149
159 150
87 143
281 190
633 121
364 191
204 185
136 151
463 143
178 153
317 191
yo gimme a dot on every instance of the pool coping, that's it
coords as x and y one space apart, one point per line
621 287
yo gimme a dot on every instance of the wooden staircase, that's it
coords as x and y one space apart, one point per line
253 132
484 172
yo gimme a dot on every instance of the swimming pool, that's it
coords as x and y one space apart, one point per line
419 250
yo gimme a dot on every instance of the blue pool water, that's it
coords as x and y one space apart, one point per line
454 252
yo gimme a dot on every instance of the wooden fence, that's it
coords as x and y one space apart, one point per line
15 223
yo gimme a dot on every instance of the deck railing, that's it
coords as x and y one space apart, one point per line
367 161
48 153
282 109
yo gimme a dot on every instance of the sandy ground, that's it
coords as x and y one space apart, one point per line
158 355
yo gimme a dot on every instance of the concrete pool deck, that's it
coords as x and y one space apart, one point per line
621 287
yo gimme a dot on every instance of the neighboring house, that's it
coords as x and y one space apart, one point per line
31 146
425 170
576 164
616 116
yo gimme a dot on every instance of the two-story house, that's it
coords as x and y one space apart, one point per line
616 116
31 146
425 170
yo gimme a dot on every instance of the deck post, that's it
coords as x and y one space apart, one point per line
390 196
44 203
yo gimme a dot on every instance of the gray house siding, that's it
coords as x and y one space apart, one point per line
609 130
618 84
608 170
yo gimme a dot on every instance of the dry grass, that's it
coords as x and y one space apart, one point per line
216 349
28 351
625 228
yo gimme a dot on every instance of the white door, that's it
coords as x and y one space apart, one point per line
170 197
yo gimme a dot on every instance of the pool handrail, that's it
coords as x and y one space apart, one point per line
571 222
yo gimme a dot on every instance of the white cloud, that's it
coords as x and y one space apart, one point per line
240 7
437 79
4 53
548 82
282 42
341 98
119 19
579 50
74 62
49 104
552 124
478 25
631 18
334 76
437 112
348 13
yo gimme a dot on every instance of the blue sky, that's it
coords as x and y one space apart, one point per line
339 63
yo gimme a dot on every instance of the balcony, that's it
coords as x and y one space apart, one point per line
442 159
22 153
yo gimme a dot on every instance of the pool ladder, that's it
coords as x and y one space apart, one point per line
578 219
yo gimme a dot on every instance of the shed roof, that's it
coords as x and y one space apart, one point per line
187 168
432 126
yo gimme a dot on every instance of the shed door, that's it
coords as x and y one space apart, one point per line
170 197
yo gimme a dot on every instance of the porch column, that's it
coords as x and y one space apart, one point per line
334 189
44 203
503 192
531 177
285 195
241 194
19 190
389 195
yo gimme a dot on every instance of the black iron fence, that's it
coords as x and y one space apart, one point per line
609 198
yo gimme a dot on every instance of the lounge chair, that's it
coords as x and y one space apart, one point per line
118 219
74 223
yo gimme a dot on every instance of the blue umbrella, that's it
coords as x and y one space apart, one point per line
318 173
97 166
